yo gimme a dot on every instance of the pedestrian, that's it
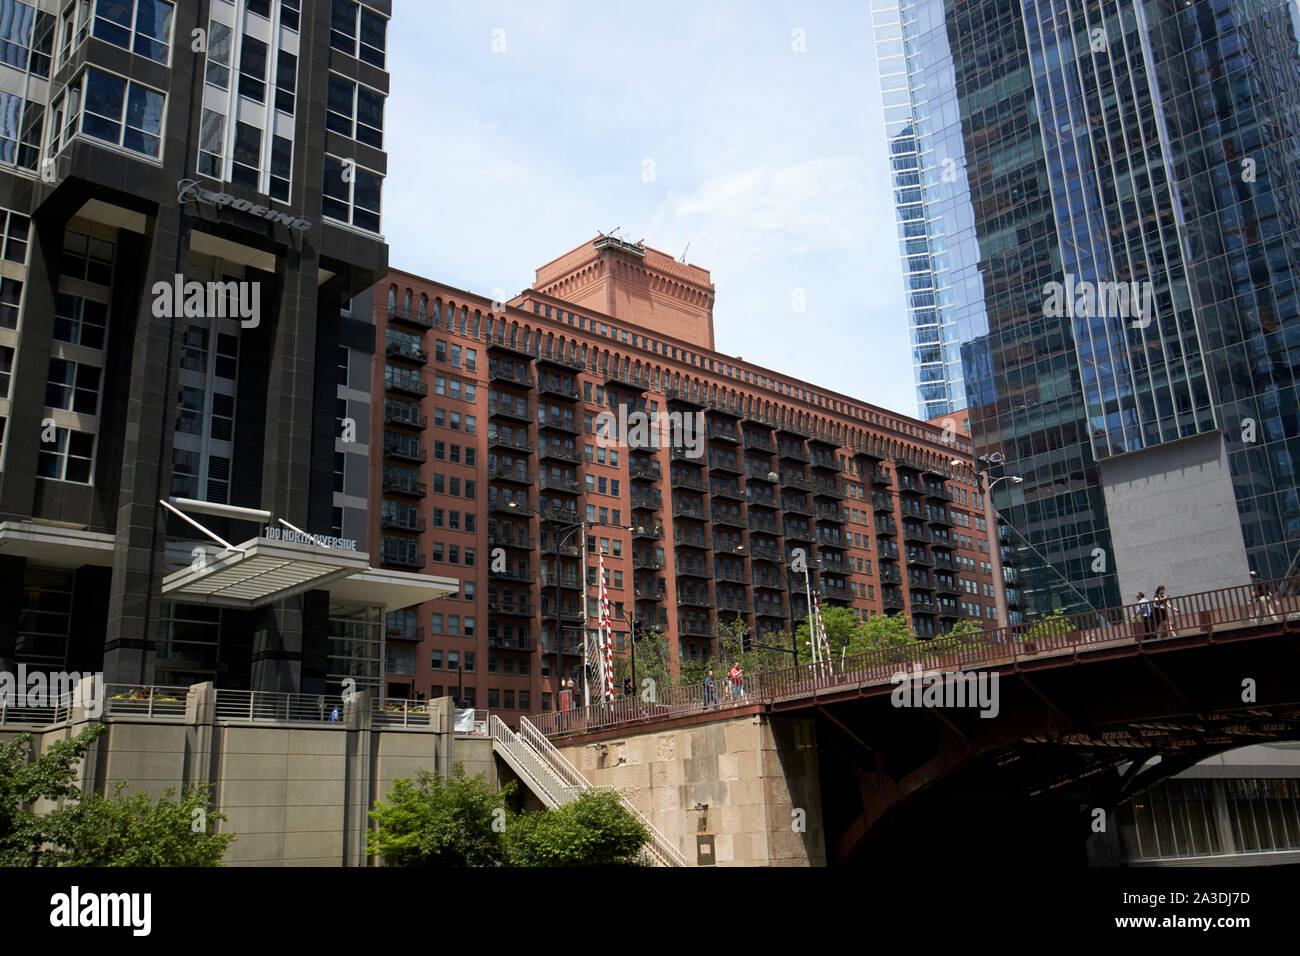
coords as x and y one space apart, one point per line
736 690
334 715
1144 613
1159 609
710 694
1265 612
627 687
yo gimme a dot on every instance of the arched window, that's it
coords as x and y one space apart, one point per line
392 298
437 312
464 318
406 303
424 308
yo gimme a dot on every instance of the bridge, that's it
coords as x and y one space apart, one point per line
1083 712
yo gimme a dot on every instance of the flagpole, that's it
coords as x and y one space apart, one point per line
812 621
586 691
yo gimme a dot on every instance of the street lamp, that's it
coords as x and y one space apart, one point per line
991 532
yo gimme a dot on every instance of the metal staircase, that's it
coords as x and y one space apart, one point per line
556 781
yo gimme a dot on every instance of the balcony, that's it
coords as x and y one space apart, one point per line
557 452
920 558
941 517
568 486
685 479
694 628
644 473
726 491
796 507
685 455
1011 576
825 460
727 572
892 602
507 347
690 540
560 516
760 442
767 582
647 502
401 414
924 607
686 509
695 597
792 452
503 375
412 452
1013 597
516 509
829 489
406 353
907 485
569 646
646 562
754 472
410 318
511 442
836 593
497 642
554 424
883 504
514 574
566 392
510 410
798 533
646 593
770 611
414 634
518 476
915 534
830 541
760 553
501 539
571 612
556 359
728 518
945 541
729 463
402 558
686 397
571 582
406 386
881 476
647 533
739 605
396 522
946 586
693 569
835 515
764 524
394 485
720 433
763 501
890 575
937 490
789 480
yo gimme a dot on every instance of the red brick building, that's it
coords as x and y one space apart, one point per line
493 455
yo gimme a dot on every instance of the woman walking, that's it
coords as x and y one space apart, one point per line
1160 609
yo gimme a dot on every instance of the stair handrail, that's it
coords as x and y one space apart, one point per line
531 763
659 843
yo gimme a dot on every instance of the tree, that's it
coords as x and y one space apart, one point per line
440 821
134 831
651 663
92 830
594 830
1049 625
23 781
966 633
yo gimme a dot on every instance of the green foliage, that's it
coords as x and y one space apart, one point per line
652 662
594 830
91 830
1049 625
23 781
440 821
134 831
844 630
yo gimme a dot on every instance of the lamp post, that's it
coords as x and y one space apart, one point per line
995 540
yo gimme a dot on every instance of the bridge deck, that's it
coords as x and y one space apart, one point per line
1049 642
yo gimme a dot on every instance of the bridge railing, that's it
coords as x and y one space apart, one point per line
1265 602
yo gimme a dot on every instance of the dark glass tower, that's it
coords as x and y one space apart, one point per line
1145 152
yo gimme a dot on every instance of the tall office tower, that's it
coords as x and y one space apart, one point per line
191 199
1109 193
505 431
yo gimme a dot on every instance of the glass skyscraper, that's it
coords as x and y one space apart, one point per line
1097 209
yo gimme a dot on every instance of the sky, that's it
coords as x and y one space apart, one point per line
517 131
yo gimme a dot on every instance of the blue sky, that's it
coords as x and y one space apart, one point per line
769 162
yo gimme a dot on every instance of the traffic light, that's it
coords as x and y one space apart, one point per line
636 631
